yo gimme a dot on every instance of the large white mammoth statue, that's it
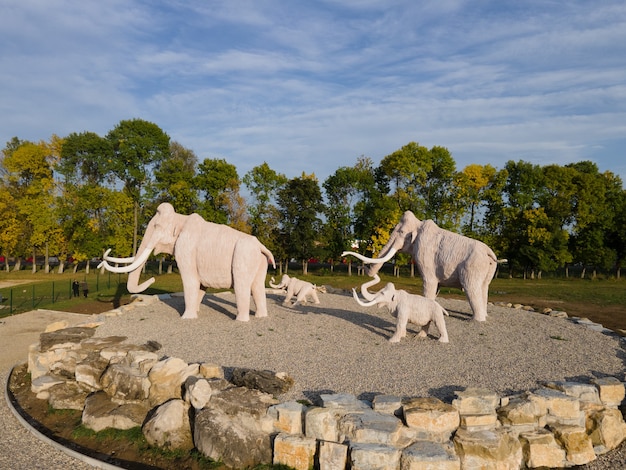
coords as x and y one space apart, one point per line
207 255
294 286
407 308
443 258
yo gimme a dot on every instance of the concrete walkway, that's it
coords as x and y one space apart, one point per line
19 449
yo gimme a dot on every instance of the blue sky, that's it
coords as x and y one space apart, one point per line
312 85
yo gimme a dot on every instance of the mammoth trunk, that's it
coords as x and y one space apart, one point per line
132 284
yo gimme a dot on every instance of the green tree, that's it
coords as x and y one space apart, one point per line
264 184
138 147
30 179
218 183
300 202
174 180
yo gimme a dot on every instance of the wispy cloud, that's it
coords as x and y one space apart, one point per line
310 86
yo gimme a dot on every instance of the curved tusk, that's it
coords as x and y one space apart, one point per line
106 257
367 294
143 286
139 261
275 286
365 259
361 303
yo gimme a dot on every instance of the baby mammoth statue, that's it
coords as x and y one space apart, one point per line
407 308
301 289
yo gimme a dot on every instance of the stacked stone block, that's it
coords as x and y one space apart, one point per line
558 425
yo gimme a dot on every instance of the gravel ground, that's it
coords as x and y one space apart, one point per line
341 347
338 346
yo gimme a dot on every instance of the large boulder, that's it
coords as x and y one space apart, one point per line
169 426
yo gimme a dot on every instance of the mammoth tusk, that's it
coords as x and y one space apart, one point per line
360 302
364 292
275 286
139 261
143 286
111 259
365 259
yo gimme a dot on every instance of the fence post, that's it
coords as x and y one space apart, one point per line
52 291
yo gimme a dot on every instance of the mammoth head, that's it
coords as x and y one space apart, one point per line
284 282
384 297
401 239
160 237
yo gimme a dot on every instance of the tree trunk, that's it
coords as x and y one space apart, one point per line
45 261
349 268
34 261
582 274
18 264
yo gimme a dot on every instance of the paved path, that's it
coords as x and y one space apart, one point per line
19 449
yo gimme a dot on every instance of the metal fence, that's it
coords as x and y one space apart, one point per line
19 298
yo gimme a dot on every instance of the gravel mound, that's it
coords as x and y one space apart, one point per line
338 346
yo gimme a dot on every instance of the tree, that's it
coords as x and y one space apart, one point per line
138 146
471 185
341 190
264 184
30 177
174 180
218 182
300 202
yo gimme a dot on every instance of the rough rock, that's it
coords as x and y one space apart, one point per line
264 380
295 451
169 427
434 419
167 377
488 449
100 412
67 337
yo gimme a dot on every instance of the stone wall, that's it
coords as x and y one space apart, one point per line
181 406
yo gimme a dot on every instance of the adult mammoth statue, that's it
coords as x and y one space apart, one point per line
207 254
443 258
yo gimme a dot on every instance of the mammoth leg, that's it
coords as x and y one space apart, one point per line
440 323
431 284
258 290
475 297
403 318
193 296
316 299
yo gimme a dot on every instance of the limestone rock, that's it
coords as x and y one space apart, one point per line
607 429
288 417
370 427
424 455
577 444
125 383
263 380
100 412
198 391
332 455
611 390
476 401
67 396
584 392
521 411
374 457
488 449
167 377
67 337
323 423
296 451
344 401
211 371
561 408
169 426
235 428
221 436
389 404
432 417
540 449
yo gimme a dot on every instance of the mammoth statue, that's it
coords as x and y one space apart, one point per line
301 289
443 258
207 254
407 308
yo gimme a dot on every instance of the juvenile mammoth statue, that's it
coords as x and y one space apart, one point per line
207 255
443 258
301 289
407 308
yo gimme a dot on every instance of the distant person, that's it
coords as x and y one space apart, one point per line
75 288
85 288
